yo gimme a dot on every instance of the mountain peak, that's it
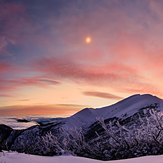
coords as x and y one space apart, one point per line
127 106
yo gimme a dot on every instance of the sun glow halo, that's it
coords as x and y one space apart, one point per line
88 39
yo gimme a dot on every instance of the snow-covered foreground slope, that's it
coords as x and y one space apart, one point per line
13 157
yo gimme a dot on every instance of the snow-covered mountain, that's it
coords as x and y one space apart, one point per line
121 109
124 111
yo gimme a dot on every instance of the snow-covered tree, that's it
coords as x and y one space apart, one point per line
116 141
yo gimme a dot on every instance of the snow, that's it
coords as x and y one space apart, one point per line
128 107
82 118
14 157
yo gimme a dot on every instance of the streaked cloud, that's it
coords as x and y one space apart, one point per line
102 95
66 68
58 109
15 83
5 95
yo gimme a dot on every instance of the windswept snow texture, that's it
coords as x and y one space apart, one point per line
13 157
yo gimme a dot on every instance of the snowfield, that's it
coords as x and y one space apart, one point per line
14 157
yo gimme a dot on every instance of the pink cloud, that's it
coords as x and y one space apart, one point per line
141 87
102 95
64 68
5 95
13 84
115 74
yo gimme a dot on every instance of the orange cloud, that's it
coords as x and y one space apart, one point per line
58 109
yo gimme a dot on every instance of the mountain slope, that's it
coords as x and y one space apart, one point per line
121 109
129 105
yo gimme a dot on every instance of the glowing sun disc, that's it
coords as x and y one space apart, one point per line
88 40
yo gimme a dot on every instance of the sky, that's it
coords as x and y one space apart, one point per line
60 56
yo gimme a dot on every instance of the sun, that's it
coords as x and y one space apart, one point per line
88 39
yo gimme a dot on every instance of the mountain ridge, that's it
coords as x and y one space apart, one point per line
127 106
124 111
